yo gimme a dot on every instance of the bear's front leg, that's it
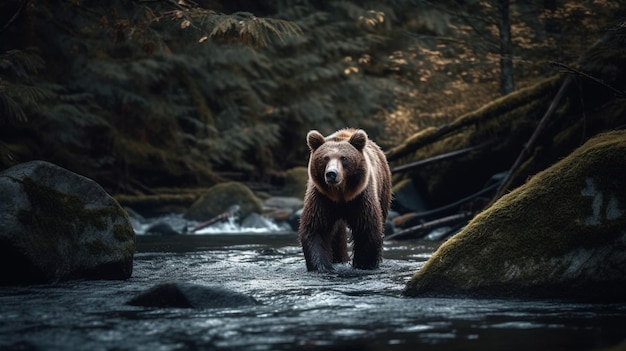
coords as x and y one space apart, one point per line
317 252
367 241
315 232
367 253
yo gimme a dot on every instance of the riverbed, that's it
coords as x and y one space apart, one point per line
298 310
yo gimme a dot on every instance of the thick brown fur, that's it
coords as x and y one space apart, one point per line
349 186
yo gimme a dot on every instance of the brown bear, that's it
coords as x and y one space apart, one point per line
349 186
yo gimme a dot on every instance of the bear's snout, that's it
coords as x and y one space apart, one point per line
333 172
331 175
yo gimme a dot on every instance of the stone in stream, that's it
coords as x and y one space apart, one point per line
561 235
188 295
58 225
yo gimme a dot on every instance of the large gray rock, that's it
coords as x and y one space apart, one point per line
57 225
561 235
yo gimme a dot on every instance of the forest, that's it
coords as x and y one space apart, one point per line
140 95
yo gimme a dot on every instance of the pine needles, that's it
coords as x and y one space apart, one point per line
241 27
17 93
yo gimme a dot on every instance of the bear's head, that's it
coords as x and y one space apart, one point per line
338 166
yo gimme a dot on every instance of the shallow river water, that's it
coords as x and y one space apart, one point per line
298 310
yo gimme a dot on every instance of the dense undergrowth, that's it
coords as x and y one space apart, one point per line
138 95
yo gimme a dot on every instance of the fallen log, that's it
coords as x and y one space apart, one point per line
443 210
419 231
520 101
220 217
446 156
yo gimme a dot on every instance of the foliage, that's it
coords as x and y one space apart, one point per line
538 125
325 80
455 51
156 93
17 92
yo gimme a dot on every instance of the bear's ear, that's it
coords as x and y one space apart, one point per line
358 139
315 139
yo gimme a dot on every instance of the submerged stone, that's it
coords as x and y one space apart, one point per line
561 235
58 225
188 295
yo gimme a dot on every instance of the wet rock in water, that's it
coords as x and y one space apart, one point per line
257 221
219 198
280 209
58 225
188 295
561 235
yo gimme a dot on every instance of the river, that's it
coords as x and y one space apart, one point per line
298 310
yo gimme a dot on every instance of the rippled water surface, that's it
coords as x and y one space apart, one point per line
348 309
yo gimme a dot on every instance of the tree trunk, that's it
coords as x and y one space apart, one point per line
552 27
507 84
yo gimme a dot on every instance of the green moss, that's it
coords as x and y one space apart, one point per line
559 213
221 197
98 247
295 182
61 215
123 232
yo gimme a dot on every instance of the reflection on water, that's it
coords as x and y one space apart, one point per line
299 310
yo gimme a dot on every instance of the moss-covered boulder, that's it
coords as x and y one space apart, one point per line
561 235
58 225
222 197
295 182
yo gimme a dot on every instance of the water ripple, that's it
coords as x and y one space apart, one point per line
298 310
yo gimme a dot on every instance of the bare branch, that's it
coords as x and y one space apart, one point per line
15 15
592 78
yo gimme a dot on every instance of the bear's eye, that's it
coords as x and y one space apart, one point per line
344 159
326 158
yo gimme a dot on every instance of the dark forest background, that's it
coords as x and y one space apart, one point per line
145 94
